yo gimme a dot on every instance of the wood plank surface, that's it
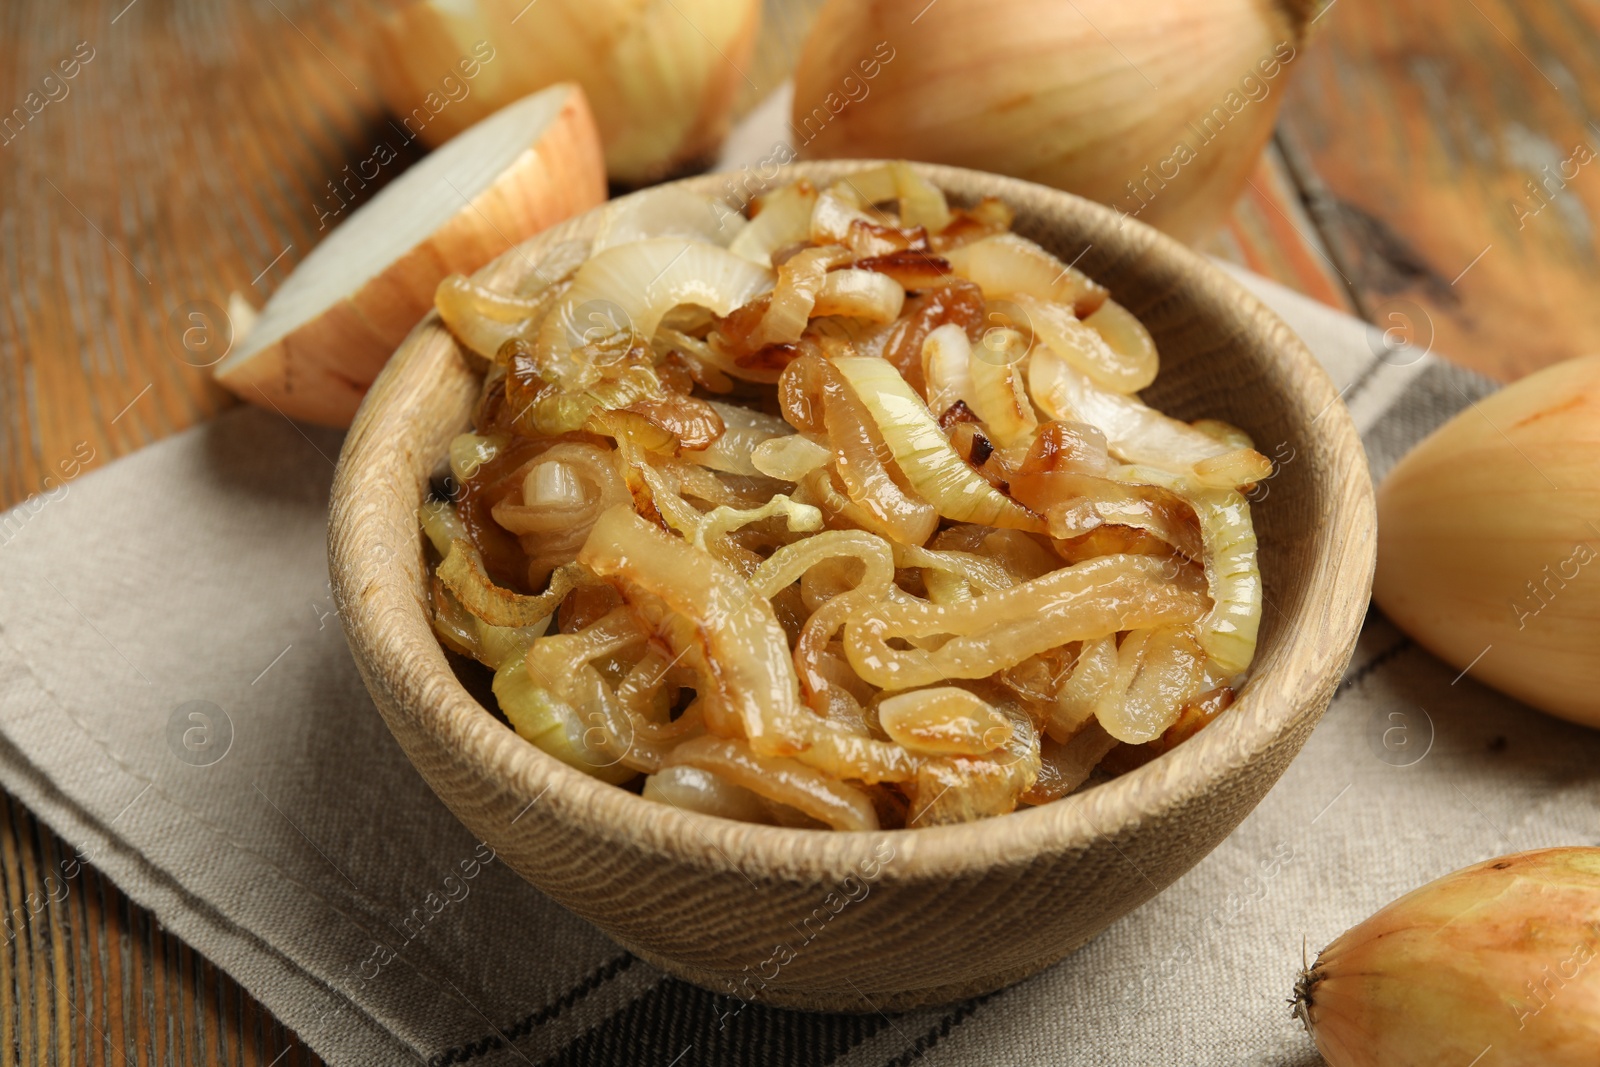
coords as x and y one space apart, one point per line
192 148
1451 160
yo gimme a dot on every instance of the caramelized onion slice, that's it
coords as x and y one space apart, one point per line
782 218
735 628
1158 672
943 721
1007 265
792 302
462 573
1125 369
863 456
861 294
1091 679
964 788
667 211
1066 765
1076 504
627 289
947 368
932 466
1228 632
788 458
999 394
743 431
1136 433
552 724
696 789
785 781
1002 629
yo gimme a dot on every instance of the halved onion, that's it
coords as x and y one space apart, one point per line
334 322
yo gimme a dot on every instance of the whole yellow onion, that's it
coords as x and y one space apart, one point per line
1489 541
1494 965
660 75
1157 109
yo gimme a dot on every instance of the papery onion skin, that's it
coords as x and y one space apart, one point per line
1037 90
660 78
1489 535
1495 963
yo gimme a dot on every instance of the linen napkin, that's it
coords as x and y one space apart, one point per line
179 703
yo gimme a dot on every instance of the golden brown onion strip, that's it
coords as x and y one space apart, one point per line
999 630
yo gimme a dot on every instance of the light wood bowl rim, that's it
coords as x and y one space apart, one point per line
1268 710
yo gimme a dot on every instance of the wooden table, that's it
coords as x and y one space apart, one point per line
185 161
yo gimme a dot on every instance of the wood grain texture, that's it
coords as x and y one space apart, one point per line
88 977
187 160
1451 160
952 911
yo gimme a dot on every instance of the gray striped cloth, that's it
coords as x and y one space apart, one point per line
180 705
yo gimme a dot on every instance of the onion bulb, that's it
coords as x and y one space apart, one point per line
1489 541
661 76
1159 110
331 326
1493 965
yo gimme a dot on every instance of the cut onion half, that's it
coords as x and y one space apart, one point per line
332 325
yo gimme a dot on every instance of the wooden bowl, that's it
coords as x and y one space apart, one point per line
904 918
